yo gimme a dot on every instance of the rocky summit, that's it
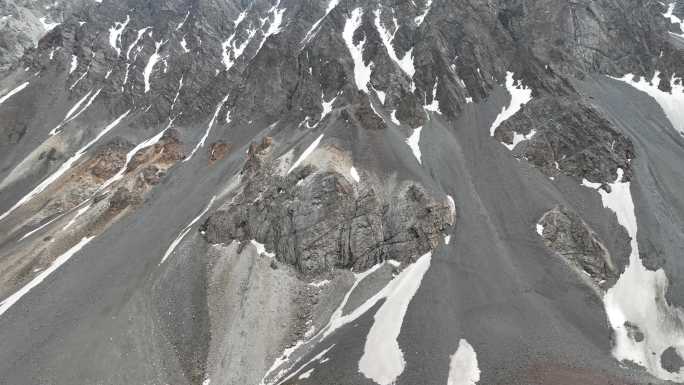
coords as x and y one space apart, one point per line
341 192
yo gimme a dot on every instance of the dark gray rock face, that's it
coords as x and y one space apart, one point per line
569 137
318 220
671 360
569 236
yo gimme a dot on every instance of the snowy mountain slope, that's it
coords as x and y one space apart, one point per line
341 192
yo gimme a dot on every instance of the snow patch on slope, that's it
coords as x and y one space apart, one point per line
638 297
362 72
520 95
406 62
115 34
208 130
310 33
185 231
672 102
463 368
8 95
309 150
413 142
154 59
382 360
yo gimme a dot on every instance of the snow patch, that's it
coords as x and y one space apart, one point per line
413 143
393 118
452 207
8 95
672 102
208 130
362 72
74 63
517 138
139 36
306 374
185 231
311 32
64 167
463 367
115 34
540 230
406 62
354 174
382 359
47 26
421 18
261 249
150 65
638 297
62 259
519 96
306 153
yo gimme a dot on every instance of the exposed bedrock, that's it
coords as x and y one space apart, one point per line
318 220
577 140
570 237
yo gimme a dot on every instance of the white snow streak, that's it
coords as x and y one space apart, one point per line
180 25
206 133
12 299
420 18
261 249
638 297
8 95
463 368
150 65
519 96
306 153
115 34
274 25
362 72
383 360
141 32
77 110
452 207
393 118
406 62
64 167
47 25
517 138
306 374
229 45
354 174
413 142
129 156
672 102
74 63
310 33
185 231
434 104
184 45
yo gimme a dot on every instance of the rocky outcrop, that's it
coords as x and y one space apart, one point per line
317 220
578 141
569 236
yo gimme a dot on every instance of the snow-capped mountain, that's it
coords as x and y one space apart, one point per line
341 192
